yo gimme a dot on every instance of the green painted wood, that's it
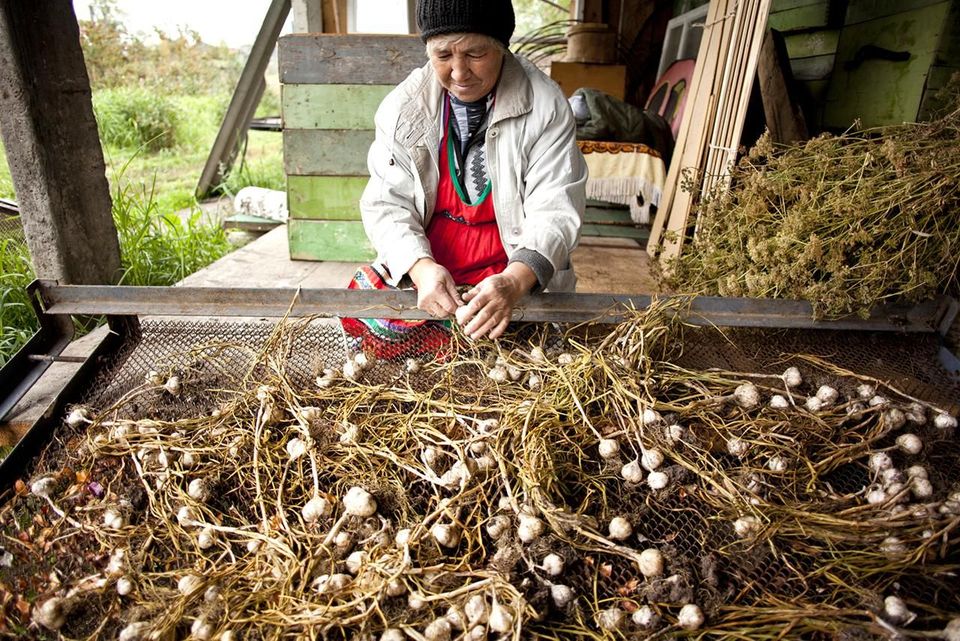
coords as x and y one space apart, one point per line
615 231
606 215
939 76
779 6
331 106
865 10
811 16
325 197
246 222
326 152
328 240
367 59
881 92
814 43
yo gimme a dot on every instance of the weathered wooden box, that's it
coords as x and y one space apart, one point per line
331 86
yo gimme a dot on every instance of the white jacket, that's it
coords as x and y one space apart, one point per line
537 172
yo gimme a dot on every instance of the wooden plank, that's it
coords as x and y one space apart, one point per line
781 110
883 92
245 98
811 16
813 43
349 59
697 99
640 234
331 106
325 197
326 152
328 240
867 10
246 222
605 215
610 79
786 5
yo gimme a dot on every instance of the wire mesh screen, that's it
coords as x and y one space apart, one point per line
11 228
477 445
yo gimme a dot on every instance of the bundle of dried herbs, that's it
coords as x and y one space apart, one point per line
845 222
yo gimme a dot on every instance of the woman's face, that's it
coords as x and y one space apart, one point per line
468 67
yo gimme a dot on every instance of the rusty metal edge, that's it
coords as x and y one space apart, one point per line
603 308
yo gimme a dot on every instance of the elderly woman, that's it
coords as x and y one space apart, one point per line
475 176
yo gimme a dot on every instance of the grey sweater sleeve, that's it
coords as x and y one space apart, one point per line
538 263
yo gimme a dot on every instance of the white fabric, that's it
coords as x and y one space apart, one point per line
536 169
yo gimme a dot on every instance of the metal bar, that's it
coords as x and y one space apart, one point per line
23 370
605 308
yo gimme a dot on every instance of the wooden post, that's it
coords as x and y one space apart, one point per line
335 16
244 101
307 16
53 149
412 17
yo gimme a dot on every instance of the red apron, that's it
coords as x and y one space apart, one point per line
464 238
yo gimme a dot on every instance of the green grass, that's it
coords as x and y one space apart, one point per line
163 234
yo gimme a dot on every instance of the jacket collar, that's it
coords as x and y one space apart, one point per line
422 113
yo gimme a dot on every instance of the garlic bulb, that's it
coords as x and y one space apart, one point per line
362 361
296 448
124 586
620 528
891 475
879 461
438 630
327 379
189 583
359 502
916 413
553 564
308 414
118 562
447 535
206 538
650 562
896 611
52 613
537 355
498 525
396 588
690 617
498 374
943 421
827 394
910 443
456 617
402 537
327 583
877 496
562 595
500 619
651 459
78 416
877 401
893 546
611 619
187 460
952 631
137 631
476 609
212 593
645 618
737 447
530 528
658 480
746 526
632 472
776 464
609 447
921 488
779 402
814 403
747 395
114 519
791 377
45 486
350 371
534 381
173 385
253 545
866 391
565 359
650 417
227 635
201 629
894 418
916 471
198 490
355 561
315 509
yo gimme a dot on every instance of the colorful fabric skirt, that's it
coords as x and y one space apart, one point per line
390 338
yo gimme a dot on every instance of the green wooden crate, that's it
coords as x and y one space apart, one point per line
325 197
335 240
331 106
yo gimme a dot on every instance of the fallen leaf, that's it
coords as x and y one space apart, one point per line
21 488
606 570
628 588
83 476
22 606
628 606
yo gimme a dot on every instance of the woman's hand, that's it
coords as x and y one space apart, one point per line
436 291
490 304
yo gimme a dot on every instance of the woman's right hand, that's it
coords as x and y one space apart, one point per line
436 291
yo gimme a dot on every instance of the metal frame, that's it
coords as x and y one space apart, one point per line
56 304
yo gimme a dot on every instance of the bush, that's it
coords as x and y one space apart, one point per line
134 118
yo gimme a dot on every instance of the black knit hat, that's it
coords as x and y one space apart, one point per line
493 18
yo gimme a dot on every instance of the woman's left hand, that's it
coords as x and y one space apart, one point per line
490 303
